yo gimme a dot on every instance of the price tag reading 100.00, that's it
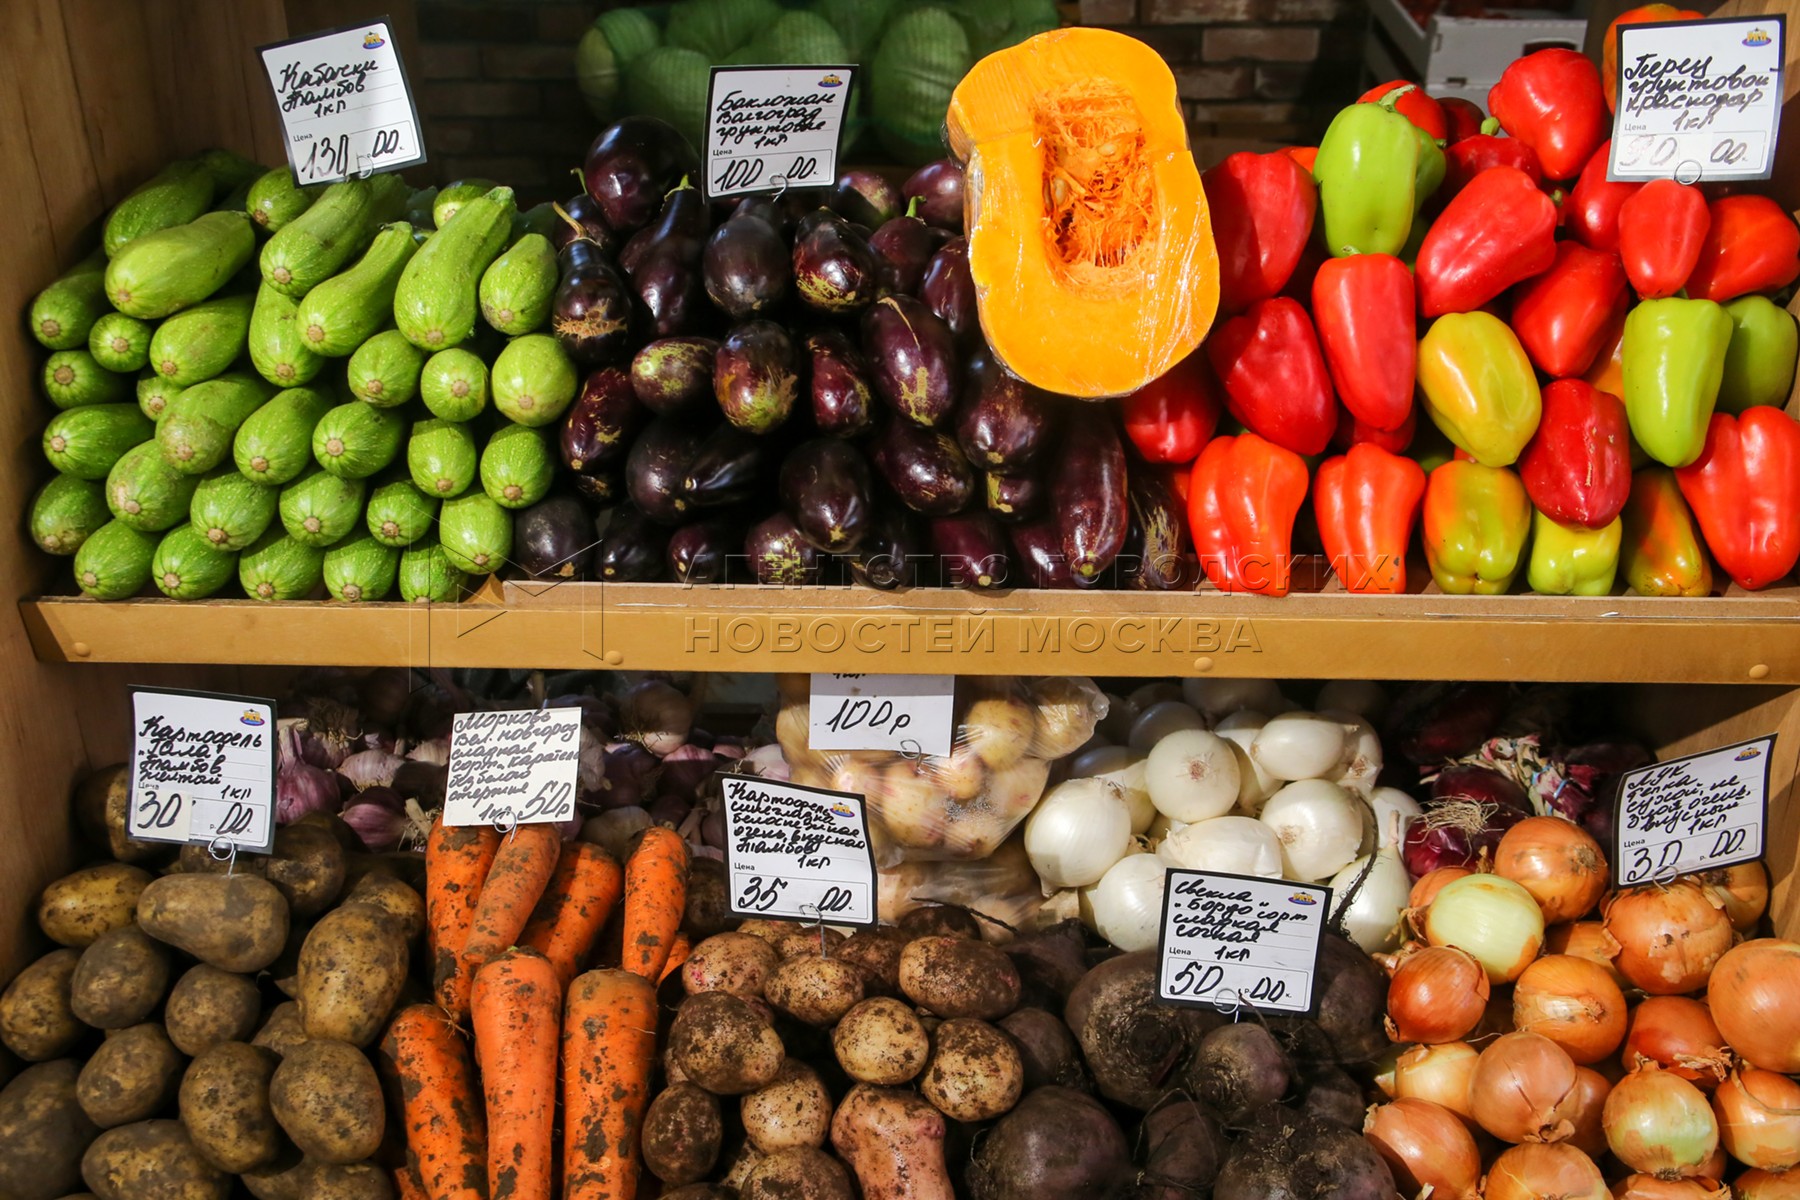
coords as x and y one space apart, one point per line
202 769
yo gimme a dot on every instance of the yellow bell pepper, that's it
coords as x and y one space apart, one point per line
1479 386
1477 520
1662 551
1569 560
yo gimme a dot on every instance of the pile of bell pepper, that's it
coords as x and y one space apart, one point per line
1602 367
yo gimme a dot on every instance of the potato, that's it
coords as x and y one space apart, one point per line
394 897
233 922
940 920
120 979
801 940
307 867
351 970
280 1180
957 977
798 1173
876 952
975 1072
814 990
681 1134
326 1096
739 963
344 1181
151 1160
226 1108
131 1077
724 1044
284 972
79 907
708 898
894 1141
765 928
283 1030
408 866
36 1022
880 1040
209 1006
102 803
793 1110
701 1191
43 1132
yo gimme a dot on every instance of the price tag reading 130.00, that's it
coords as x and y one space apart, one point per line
202 769
345 106
1699 101
797 852
1695 813
1240 941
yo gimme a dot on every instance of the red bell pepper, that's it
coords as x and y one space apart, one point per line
1243 496
1274 375
1752 245
1563 317
1262 214
1352 432
1170 418
1577 466
1364 308
1592 208
1745 491
1608 370
1468 158
1499 230
1552 101
1413 104
1661 230
1609 43
1365 503
1464 118
1304 155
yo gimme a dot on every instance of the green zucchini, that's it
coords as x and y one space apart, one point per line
64 313
540 219
476 533
277 351
385 370
319 508
73 378
360 568
230 511
418 208
274 444
355 440
441 458
188 567
114 562
426 574
277 567
315 245
66 512
120 343
346 310
147 493
275 199
517 466
199 342
231 172
517 290
452 196
197 433
436 304
454 385
400 514
172 269
155 394
533 380
85 442
175 195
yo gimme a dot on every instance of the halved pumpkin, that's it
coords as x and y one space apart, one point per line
1089 238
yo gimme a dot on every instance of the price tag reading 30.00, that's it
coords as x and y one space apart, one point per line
345 106
1698 100
797 852
1231 941
772 128
202 769
1693 814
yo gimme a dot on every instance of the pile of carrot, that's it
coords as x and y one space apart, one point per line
511 923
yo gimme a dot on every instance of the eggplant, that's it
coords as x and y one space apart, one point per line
834 269
580 219
972 549
1005 423
778 554
580 254
1088 481
902 248
608 486
768 209
912 359
632 165
657 469
843 405
746 267
632 548
680 230
730 466
938 187
948 289
924 467
827 489
554 539
592 316
1156 545
893 553
866 197
597 429
1037 547
671 295
1014 498
702 552
674 375
756 376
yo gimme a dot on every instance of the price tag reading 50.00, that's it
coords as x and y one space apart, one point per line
1240 941
345 106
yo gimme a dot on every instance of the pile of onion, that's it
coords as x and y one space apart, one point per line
1440 1074
1660 1124
1525 1089
1426 1146
1437 994
1677 1034
1494 919
1573 1002
1759 1119
1532 1172
1558 862
1754 995
1670 938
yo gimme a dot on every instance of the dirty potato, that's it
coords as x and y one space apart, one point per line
351 970
882 1041
344 1181
792 1110
940 920
681 1134
958 977
876 952
724 1044
307 867
233 922
120 979
392 896
43 1132
282 1030
209 1006
131 1077
326 1097
801 940
975 1072
102 804
151 1160
708 898
739 963
798 1173
79 907
36 1022
814 990
280 1180
225 1106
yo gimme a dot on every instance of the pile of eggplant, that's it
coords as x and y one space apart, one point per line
794 389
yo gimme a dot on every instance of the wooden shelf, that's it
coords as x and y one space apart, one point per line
1725 639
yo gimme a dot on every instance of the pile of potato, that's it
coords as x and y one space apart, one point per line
205 1021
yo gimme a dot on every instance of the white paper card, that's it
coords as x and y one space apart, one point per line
797 852
1698 100
1240 941
513 767
345 105
1694 813
769 128
202 769
911 714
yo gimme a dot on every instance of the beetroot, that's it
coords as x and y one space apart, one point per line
1058 1144
1047 1050
1236 1070
1133 1043
1351 993
1303 1159
1183 1151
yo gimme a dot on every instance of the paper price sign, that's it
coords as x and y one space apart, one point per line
202 769
1695 813
345 105
797 852
912 714
770 128
1240 941
513 768
1698 100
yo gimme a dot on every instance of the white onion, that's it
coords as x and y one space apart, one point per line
1359 696
1360 763
1320 826
1241 719
1255 785
1147 695
1124 767
1162 827
1394 811
1126 906
1216 697
1079 829
1239 845
1159 721
1374 916
1192 775
1298 745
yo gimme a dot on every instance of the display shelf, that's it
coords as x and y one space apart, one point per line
1734 638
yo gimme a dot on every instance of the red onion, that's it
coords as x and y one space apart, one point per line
301 787
631 773
1436 721
1482 785
432 750
685 769
1456 833
670 809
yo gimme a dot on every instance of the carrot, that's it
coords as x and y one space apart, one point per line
407 1185
516 1010
580 897
457 860
609 1051
446 1134
655 900
522 867
679 949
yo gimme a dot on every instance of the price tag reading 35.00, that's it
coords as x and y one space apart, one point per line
797 852
772 128
912 714
1240 941
202 769
1693 814
1699 101
345 106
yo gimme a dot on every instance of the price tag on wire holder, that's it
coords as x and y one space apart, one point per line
346 107
1698 100
911 714
1693 814
513 767
772 128
797 852
202 769
1236 942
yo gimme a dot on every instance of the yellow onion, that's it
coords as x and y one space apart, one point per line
1533 1172
1523 1089
1439 1074
1754 995
1558 862
1743 890
1669 937
1591 1090
1574 1003
1759 1119
1659 1123
1768 1185
1586 939
1426 1146
1492 918
1649 1187
1678 1034
1436 995
1425 890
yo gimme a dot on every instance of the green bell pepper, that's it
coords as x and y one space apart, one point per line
1673 361
1759 362
1367 170
1428 176
1567 560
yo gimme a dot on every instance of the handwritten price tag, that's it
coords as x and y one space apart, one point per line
769 128
202 769
1233 941
1698 100
914 714
1694 813
797 852
513 767
345 105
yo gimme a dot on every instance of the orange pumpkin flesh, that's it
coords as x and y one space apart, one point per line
1089 239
